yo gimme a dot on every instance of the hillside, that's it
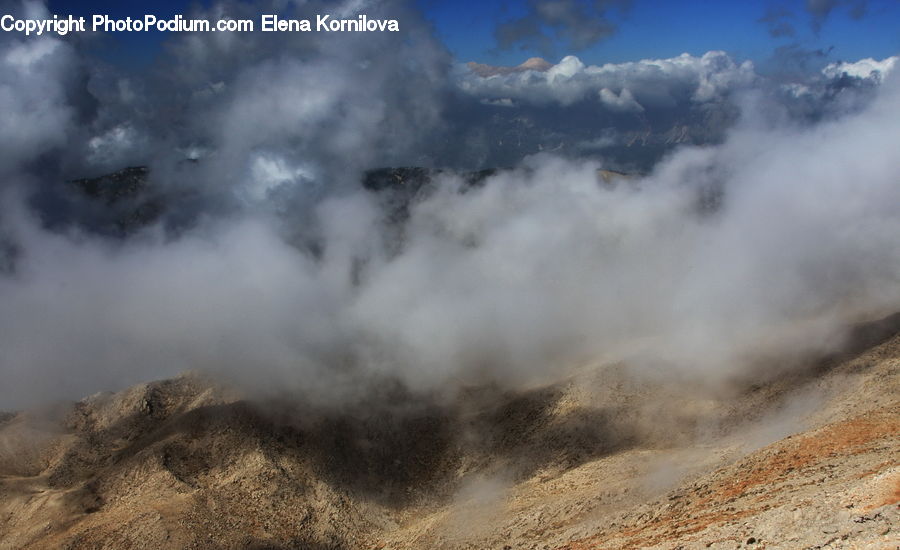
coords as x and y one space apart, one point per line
608 458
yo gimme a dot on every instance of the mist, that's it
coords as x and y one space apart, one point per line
728 259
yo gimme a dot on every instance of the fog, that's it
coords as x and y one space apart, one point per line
727 259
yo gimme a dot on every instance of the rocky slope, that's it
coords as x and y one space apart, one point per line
608 458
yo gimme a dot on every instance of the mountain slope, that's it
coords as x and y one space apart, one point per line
607 458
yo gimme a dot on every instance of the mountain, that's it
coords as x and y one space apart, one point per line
530 64
607 458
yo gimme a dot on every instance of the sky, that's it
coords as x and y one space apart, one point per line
632 29
662 29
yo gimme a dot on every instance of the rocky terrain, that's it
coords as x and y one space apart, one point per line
608 458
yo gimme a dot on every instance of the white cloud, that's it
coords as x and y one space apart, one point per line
268 172
864 68
624 101
34 75
536 270
647 83
763 244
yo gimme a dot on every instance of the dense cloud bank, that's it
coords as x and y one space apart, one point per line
759 237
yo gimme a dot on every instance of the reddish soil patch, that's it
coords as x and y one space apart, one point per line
845 438
787 460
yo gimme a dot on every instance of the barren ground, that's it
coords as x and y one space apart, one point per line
604 459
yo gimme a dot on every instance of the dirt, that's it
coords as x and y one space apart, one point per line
607 458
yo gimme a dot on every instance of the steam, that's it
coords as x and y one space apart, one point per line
761 248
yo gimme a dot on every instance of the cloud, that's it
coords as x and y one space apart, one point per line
864 68
778 22
538 269
821 9
573 24
287 276
778 18
794 61
648 82
35 76
624 101
320 104
642 108
530 64
648 106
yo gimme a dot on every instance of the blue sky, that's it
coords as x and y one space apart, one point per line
647 29
659 28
